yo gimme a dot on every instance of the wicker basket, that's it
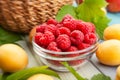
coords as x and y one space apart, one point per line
22 15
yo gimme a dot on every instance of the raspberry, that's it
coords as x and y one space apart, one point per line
69 22
41 28
90 38
91 26
52 28
78 21
46 38
59 25
76 37
63 30
83 46
67 17
76 62
52 21
55 62
37 37
85 27
53 46
70 49
63 41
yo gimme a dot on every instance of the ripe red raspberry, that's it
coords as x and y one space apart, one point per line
63 41
78 21
90 38
52 21
53 46
41 28
63 30
55 62
46 38
67 17
76 37
69 22
38 35
52 28
85 27
91 26
83 46
59 25
76 62
71 49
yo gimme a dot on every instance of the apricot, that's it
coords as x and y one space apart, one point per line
108 52
118 73
32 33
12 58
112 32
40 77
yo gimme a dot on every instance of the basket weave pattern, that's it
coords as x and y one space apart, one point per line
22 15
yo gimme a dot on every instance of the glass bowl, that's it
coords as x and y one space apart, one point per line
53 59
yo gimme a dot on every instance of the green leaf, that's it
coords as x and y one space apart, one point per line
91 11
46 71
99 3
1 76
20 74
26 73
72 70
4 76
100 23
8 37
100 77
67 9
78 77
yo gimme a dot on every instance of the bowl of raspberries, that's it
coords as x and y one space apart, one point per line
70 40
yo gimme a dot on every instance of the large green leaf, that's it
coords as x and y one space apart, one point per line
67 9
8 37
18 75
97 3
92 11
45 71
89 11
26 73
3 76
100 23
0 76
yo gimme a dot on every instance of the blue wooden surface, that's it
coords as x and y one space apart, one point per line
115 18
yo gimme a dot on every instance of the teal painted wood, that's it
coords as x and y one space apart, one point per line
115 18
